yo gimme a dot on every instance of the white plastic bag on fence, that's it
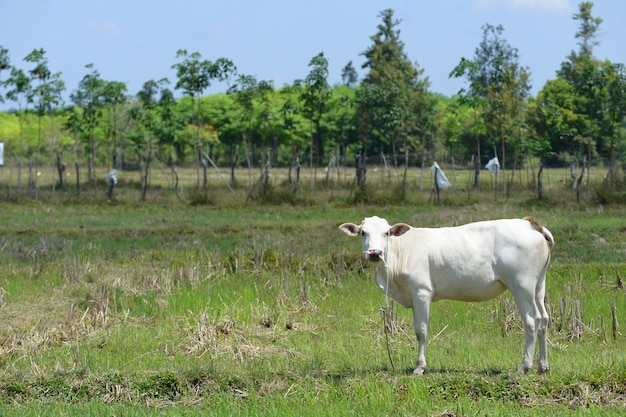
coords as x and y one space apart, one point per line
442 180
493 165
112 177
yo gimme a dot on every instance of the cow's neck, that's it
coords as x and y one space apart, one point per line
382 269
383 275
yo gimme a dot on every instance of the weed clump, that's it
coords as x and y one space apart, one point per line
606 196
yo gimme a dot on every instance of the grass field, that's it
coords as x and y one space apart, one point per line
238 308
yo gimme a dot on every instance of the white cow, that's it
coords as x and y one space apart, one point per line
474 262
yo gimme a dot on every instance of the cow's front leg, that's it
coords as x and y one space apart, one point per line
421 313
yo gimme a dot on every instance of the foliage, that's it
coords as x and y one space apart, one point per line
315 93
349 75
597 99
194 77
496 77
393 105
390 114
5 64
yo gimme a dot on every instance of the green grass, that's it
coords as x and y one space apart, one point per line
170 309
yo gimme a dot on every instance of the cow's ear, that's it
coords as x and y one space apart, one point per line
350 229
399 229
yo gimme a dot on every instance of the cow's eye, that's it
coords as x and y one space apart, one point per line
386 234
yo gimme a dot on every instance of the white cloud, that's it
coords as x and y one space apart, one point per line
108 28
533 6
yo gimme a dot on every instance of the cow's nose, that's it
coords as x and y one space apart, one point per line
374 254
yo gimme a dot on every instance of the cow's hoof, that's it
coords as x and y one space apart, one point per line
543 369
418 371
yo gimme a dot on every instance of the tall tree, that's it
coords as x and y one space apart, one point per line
45 93
296 129
589 26
614 120
90 102
246 92
143 137
169 123
582 71
392 103
113 100
552 116
5 64
503 83
19 86
349 76
474 97
315 95
195 75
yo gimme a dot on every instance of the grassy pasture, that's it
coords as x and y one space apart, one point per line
233 308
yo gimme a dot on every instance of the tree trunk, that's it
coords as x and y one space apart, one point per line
540 182
60 170
406 169
77 179
580 180
233 180
144 180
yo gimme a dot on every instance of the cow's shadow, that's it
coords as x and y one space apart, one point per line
454 371
337 377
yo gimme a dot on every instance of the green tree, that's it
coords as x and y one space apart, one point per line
349 76
158 117
392 103
169 124
84 121
143 136
246 93
582 71
552 116
221 115
614 115
45 93
474 98
195 75
18 85
5 64
296 127
267 118
113 100
503 83
339 119
315 95
589 26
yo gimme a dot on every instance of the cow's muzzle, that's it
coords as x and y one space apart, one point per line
374 255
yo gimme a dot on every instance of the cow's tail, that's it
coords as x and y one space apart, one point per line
536 224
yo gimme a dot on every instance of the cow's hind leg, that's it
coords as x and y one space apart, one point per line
529 314
542 331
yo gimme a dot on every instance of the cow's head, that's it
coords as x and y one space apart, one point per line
374 233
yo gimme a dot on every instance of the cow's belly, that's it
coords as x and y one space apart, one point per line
471 290
465 276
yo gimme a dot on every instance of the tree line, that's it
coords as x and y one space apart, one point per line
577 118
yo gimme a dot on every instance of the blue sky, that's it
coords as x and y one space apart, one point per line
134 41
